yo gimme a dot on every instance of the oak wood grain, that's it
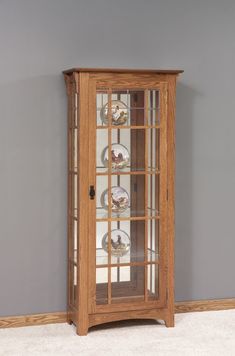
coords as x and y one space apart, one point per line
134 297
204 305
171 196
34 319
61 317
83 226
123 70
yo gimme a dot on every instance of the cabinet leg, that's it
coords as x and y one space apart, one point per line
82 330
170 321
69 319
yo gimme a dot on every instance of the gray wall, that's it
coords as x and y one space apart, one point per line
40 38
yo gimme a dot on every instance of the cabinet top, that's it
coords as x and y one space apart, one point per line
124 70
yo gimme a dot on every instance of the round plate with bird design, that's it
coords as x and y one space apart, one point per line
119 112
119 199
120 243
120 156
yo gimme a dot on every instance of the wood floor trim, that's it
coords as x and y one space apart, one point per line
61 317
204 305
33 319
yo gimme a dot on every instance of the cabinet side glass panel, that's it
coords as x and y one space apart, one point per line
73 197
153 107
153 282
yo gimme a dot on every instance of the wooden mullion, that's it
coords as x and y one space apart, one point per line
134 218
151 183
109 192
118 183
146 199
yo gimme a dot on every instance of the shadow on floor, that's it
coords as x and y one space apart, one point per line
124 324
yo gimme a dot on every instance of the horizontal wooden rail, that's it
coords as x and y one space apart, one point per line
133 218
119 173
132 127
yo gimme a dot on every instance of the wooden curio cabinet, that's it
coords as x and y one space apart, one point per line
120 195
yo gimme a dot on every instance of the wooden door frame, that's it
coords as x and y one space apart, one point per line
131 83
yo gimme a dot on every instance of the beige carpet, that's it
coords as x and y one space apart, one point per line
204 334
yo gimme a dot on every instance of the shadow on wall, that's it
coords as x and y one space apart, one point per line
184 185
33 195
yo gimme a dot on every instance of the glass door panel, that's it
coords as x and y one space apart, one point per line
128 200
125 288
128 108
102 285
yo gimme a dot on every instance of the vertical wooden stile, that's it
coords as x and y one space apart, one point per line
83 322
171 198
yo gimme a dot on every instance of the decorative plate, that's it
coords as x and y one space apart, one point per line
120 156
119 198
119 112
120 243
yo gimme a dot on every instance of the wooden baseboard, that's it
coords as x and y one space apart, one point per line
61 317
204 305
34 319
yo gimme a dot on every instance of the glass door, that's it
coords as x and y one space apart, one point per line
129 238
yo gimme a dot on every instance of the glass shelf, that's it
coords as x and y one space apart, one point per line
133 127
102 214
128 259
127 170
